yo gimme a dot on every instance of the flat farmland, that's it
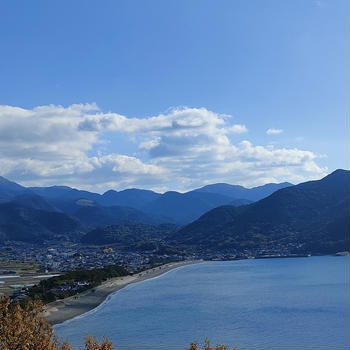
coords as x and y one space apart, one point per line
17 274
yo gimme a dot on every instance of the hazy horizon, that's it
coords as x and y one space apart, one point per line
132 188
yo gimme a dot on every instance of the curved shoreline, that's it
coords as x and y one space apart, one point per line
63 310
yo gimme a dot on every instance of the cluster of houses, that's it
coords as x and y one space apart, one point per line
68 256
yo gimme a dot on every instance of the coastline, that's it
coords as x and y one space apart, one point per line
62 310
66 309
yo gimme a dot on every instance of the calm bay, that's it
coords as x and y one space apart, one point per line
265 304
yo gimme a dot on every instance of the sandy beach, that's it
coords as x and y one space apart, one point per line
65 309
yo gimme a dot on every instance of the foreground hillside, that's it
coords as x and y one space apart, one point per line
311 217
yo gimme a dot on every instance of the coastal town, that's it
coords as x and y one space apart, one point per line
55 258
68 256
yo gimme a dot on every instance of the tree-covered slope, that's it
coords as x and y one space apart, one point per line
26 224
313 213
94 216
130 236
183 208
9 189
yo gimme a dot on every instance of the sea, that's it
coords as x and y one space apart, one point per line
254 304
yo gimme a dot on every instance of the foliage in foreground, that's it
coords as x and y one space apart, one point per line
22 327
207 346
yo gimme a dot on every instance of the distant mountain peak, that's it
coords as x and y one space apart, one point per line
110 192
241 192
278 184
10 189
337 173
3 180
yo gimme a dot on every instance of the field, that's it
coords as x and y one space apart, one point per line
16 274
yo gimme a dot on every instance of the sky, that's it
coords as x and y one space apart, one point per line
173 94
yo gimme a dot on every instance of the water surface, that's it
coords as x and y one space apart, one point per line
268 304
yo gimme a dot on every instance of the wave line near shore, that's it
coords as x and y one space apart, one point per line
66 309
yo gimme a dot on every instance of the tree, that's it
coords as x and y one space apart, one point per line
207 346
65 346
91 343
22 327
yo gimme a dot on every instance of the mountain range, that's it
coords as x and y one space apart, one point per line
172 207
22 206
312 216
309 217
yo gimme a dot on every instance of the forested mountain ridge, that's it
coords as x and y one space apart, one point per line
131 206
236 191
311 216
19 223
314 214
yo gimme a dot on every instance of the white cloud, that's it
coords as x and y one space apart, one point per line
238 129
182 149
273 131
122 164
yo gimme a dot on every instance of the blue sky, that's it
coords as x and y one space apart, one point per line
173 94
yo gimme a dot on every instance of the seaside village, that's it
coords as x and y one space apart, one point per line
52 259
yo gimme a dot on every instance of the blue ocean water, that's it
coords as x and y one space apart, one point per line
268 304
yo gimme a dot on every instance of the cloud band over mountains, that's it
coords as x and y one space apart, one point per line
184 148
